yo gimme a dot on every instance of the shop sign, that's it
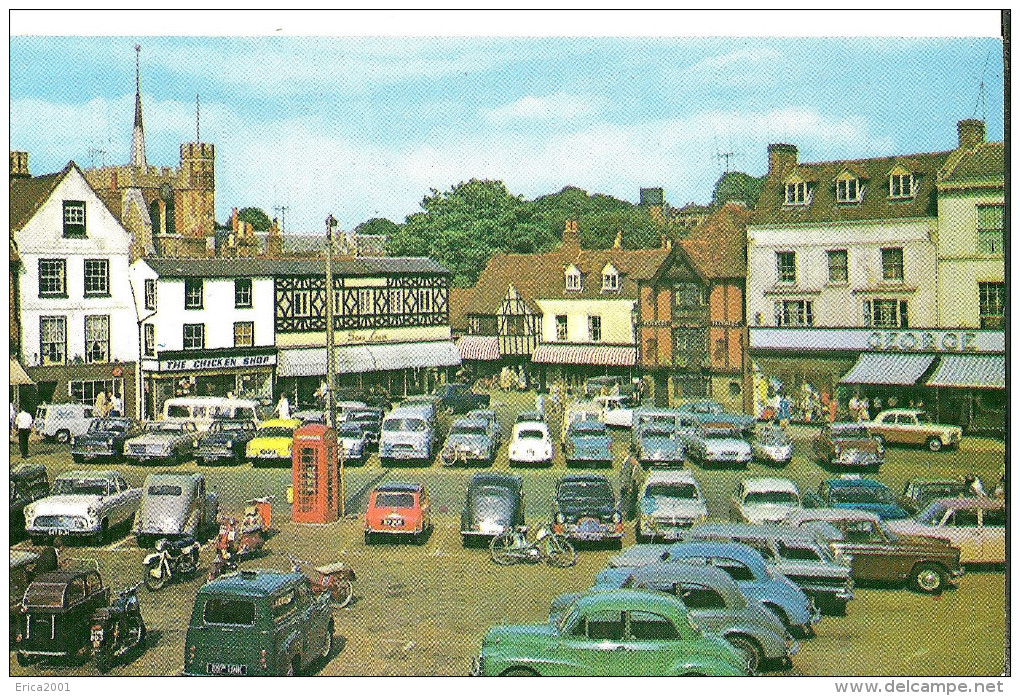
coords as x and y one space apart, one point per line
924 341
195 364
893 340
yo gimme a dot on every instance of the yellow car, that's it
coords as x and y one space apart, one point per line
272 442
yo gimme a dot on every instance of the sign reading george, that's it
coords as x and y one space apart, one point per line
216 363
924 341
883 340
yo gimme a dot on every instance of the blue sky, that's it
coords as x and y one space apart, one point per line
364 127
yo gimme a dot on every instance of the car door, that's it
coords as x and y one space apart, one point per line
426 510
993 535
961 527
652 645
597 645
910 431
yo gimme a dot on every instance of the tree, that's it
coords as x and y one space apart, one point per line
255 217
380 226
737 186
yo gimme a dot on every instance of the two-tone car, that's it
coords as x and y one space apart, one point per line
903 426
224 442
612 633
715 604
764 500
175 506
83 504
669 502
169 442
104 440
977 526
718 443
920 492
493 503
658 444
585 509
470 441
877 555
772 445
273 442
848 446
858 493
588 444
707 411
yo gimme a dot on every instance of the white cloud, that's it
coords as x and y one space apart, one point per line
743 68
559 106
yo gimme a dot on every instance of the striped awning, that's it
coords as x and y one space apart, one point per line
18 375
970 371
401 356
567 354
479 348
888 368
311 362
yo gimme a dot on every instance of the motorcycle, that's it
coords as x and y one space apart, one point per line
239 540
512 546
336 579
178 557
117 629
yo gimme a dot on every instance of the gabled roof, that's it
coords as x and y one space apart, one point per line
984 162
717 248
459 300
876 204
27 195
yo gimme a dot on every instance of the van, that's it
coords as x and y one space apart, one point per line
408 432
203 410
62 421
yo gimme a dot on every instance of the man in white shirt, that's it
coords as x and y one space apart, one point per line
24 425
116 406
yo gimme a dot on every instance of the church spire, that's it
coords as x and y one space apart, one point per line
138 135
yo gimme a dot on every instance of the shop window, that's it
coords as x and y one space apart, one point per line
244 334
889 314
561 327
150 340
193 293
97 339
86 391
52 340
242 293
52 278
194 336
594 328
992 302
892 264
786 266
150 293
97 277
991 224
794 313
74 218
837 266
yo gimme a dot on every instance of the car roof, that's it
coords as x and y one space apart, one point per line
625 599
251 583
410 410
280 423
742 529
854 483
587 423
166 476
963 503
686 573
678 476
719 549
399 486
759 484
470 421
480 413
830 514
487 478
88 474
27 471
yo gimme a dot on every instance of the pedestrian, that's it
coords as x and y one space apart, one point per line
878 405
283 407
783 413
973 484
892 402
14 414
865 415
24 423
100 409
116 406
833 405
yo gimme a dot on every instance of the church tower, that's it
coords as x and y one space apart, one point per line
138 135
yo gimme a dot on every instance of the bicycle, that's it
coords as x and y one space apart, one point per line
512 546
335 578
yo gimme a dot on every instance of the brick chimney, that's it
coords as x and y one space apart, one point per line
274 242
782 156
971 132
571 238
233 220
19 165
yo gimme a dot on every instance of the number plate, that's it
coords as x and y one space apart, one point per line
266 454
97 635
590 526
393 522
220 668
61 532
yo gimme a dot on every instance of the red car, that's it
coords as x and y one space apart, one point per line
399 509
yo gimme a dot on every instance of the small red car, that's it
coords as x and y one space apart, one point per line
398 509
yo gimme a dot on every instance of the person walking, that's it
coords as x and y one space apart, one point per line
540 403
283 407
23 421
116 406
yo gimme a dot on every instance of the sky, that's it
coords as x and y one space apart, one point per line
363 126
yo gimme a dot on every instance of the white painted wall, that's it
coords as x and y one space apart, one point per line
617 327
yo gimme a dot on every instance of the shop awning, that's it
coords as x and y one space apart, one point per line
401 356
602 356
479 348
973 371
18 375
888 368
311 362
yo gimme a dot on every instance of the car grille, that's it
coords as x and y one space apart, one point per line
206 450
143 450
96 448
59 522
675 522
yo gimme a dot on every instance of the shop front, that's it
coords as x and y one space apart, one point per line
573 363
229 372
78 382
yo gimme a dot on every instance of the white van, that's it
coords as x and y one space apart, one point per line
203 410
408 432
62 421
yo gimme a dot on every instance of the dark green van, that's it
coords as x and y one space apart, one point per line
258 623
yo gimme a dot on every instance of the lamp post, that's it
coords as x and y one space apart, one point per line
331 357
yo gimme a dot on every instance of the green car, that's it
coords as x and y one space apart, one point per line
611 633
258 623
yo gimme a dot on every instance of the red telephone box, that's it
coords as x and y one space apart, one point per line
315 476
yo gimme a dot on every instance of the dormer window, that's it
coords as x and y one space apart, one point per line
573 279
902 185
610 279
849 190
797 193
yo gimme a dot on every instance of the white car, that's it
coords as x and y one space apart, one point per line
531 444
615 411
764 500
716 443
669 502
84 504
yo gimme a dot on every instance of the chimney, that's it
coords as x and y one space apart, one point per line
782 156
233 220
19 165
274 242
618 242
971 132
571 238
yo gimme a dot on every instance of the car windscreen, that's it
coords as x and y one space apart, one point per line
226 427
530 434
850 433
165 427
64 486
677 491
275 431
861 495
465 429
658 432
492 500
770 498
108 426
932 515
178 412
397 425
719 434
588 429
584 490
391 499
165 489
349 431
229 611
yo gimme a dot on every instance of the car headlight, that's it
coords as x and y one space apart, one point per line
228 443
92 511
560 519
617 517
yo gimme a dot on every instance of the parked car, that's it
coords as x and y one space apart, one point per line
772 445
398 509
575 411
588 442
919 493
408 432
201 411
61 422
714 603
612 633
718 443
901 426
795 553
352 441
226 441
273 442
171 442
607 385
372 396
877 554
56 615
585 509
175 506
83 504
764 500
309 415
669 502
709 412
977 526
857 493
25 567
493 504
28 484
645 415
104 440
258 623
848 445
459 398
658 444
370 420
617 410
470 441
531 417
531 444
491 422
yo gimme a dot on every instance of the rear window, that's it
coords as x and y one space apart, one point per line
529 434
680 491
394 500
229 612
178 412
45 594
465 429
165 489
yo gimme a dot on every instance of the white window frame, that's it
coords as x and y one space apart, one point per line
201 336
190 294
798 193
150 293
53 270
779 268
97 334
844 193
594 328
793 313
561 335
896 188
899 319
58 322
149 340
101 278
572 281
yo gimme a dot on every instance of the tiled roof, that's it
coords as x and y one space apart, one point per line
541 276
986 161
459 299
28 194
874 174
718 246
263 267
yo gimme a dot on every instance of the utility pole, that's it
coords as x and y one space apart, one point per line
331 356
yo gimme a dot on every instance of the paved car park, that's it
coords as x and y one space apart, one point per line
423 609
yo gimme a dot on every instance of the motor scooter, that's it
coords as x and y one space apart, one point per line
117 629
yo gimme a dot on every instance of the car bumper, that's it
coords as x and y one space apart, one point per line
40 532
93 454
593 534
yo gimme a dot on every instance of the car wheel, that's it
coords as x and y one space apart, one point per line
928 578
934 444
747 648
63 436
518 672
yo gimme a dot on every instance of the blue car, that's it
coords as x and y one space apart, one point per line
713 412
745 565
857 493
659 445
588 442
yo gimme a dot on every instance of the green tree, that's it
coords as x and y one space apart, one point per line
382 226
256 217
737 186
